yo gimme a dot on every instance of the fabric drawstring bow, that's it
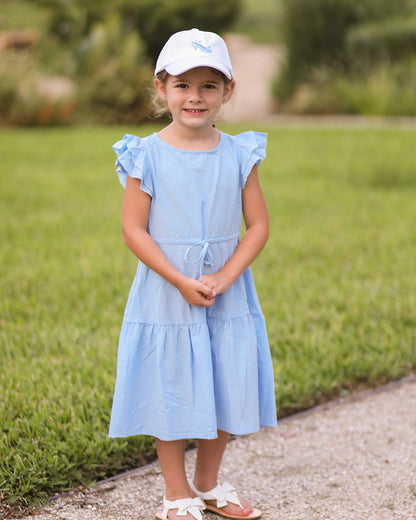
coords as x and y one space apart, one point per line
204 257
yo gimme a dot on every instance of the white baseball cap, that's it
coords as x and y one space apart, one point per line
186 50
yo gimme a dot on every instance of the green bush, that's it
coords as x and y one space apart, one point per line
156 20
315 33
71 20
113 74
378 9
112 46
113 94
383 90
385 40
26 98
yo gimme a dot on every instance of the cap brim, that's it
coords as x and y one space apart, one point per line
181 66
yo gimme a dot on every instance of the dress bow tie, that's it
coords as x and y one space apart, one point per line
204 257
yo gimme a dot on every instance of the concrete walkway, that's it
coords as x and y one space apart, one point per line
353 459
255 68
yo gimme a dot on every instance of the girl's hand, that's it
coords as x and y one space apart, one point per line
196 293
218 282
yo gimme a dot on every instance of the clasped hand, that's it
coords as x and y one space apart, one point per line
202 292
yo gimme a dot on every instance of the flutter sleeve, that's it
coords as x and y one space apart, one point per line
132 160
252 150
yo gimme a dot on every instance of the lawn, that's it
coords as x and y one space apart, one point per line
336 282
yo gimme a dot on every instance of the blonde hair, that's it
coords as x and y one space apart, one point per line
160 107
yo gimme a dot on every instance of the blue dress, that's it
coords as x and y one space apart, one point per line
185 371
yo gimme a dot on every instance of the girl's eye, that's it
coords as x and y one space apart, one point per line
209 86
181 85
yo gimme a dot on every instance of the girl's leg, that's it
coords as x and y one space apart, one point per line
171 456
172 462
208 461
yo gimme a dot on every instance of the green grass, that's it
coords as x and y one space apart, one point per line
336 283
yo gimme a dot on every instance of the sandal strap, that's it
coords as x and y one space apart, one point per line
192 506
223 494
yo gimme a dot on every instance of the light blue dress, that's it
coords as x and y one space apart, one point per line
185 371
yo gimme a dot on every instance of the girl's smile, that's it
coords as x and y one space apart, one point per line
194 110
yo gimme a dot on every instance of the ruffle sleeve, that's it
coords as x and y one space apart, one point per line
252 150
131 160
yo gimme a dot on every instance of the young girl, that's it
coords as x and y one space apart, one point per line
193 359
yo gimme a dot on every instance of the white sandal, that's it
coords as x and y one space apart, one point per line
224 494
192 506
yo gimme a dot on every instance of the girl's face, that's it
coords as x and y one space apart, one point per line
195 97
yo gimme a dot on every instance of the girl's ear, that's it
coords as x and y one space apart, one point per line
228 91
160 87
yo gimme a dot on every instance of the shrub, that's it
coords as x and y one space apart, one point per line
157 20
110 43
112 73
385 40
113 94
70 20
367 10
384 90
315 33
28 97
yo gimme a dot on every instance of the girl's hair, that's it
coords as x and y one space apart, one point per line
160 107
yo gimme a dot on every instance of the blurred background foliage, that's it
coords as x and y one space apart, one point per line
73 61
344 56
105 51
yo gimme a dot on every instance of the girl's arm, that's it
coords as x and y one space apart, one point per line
134 220
254 239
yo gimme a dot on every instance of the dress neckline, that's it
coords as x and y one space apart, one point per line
190 151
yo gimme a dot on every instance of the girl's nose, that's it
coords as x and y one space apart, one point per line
195 95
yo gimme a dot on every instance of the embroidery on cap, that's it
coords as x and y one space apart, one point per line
199 46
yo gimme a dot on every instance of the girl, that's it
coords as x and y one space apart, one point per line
193 359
